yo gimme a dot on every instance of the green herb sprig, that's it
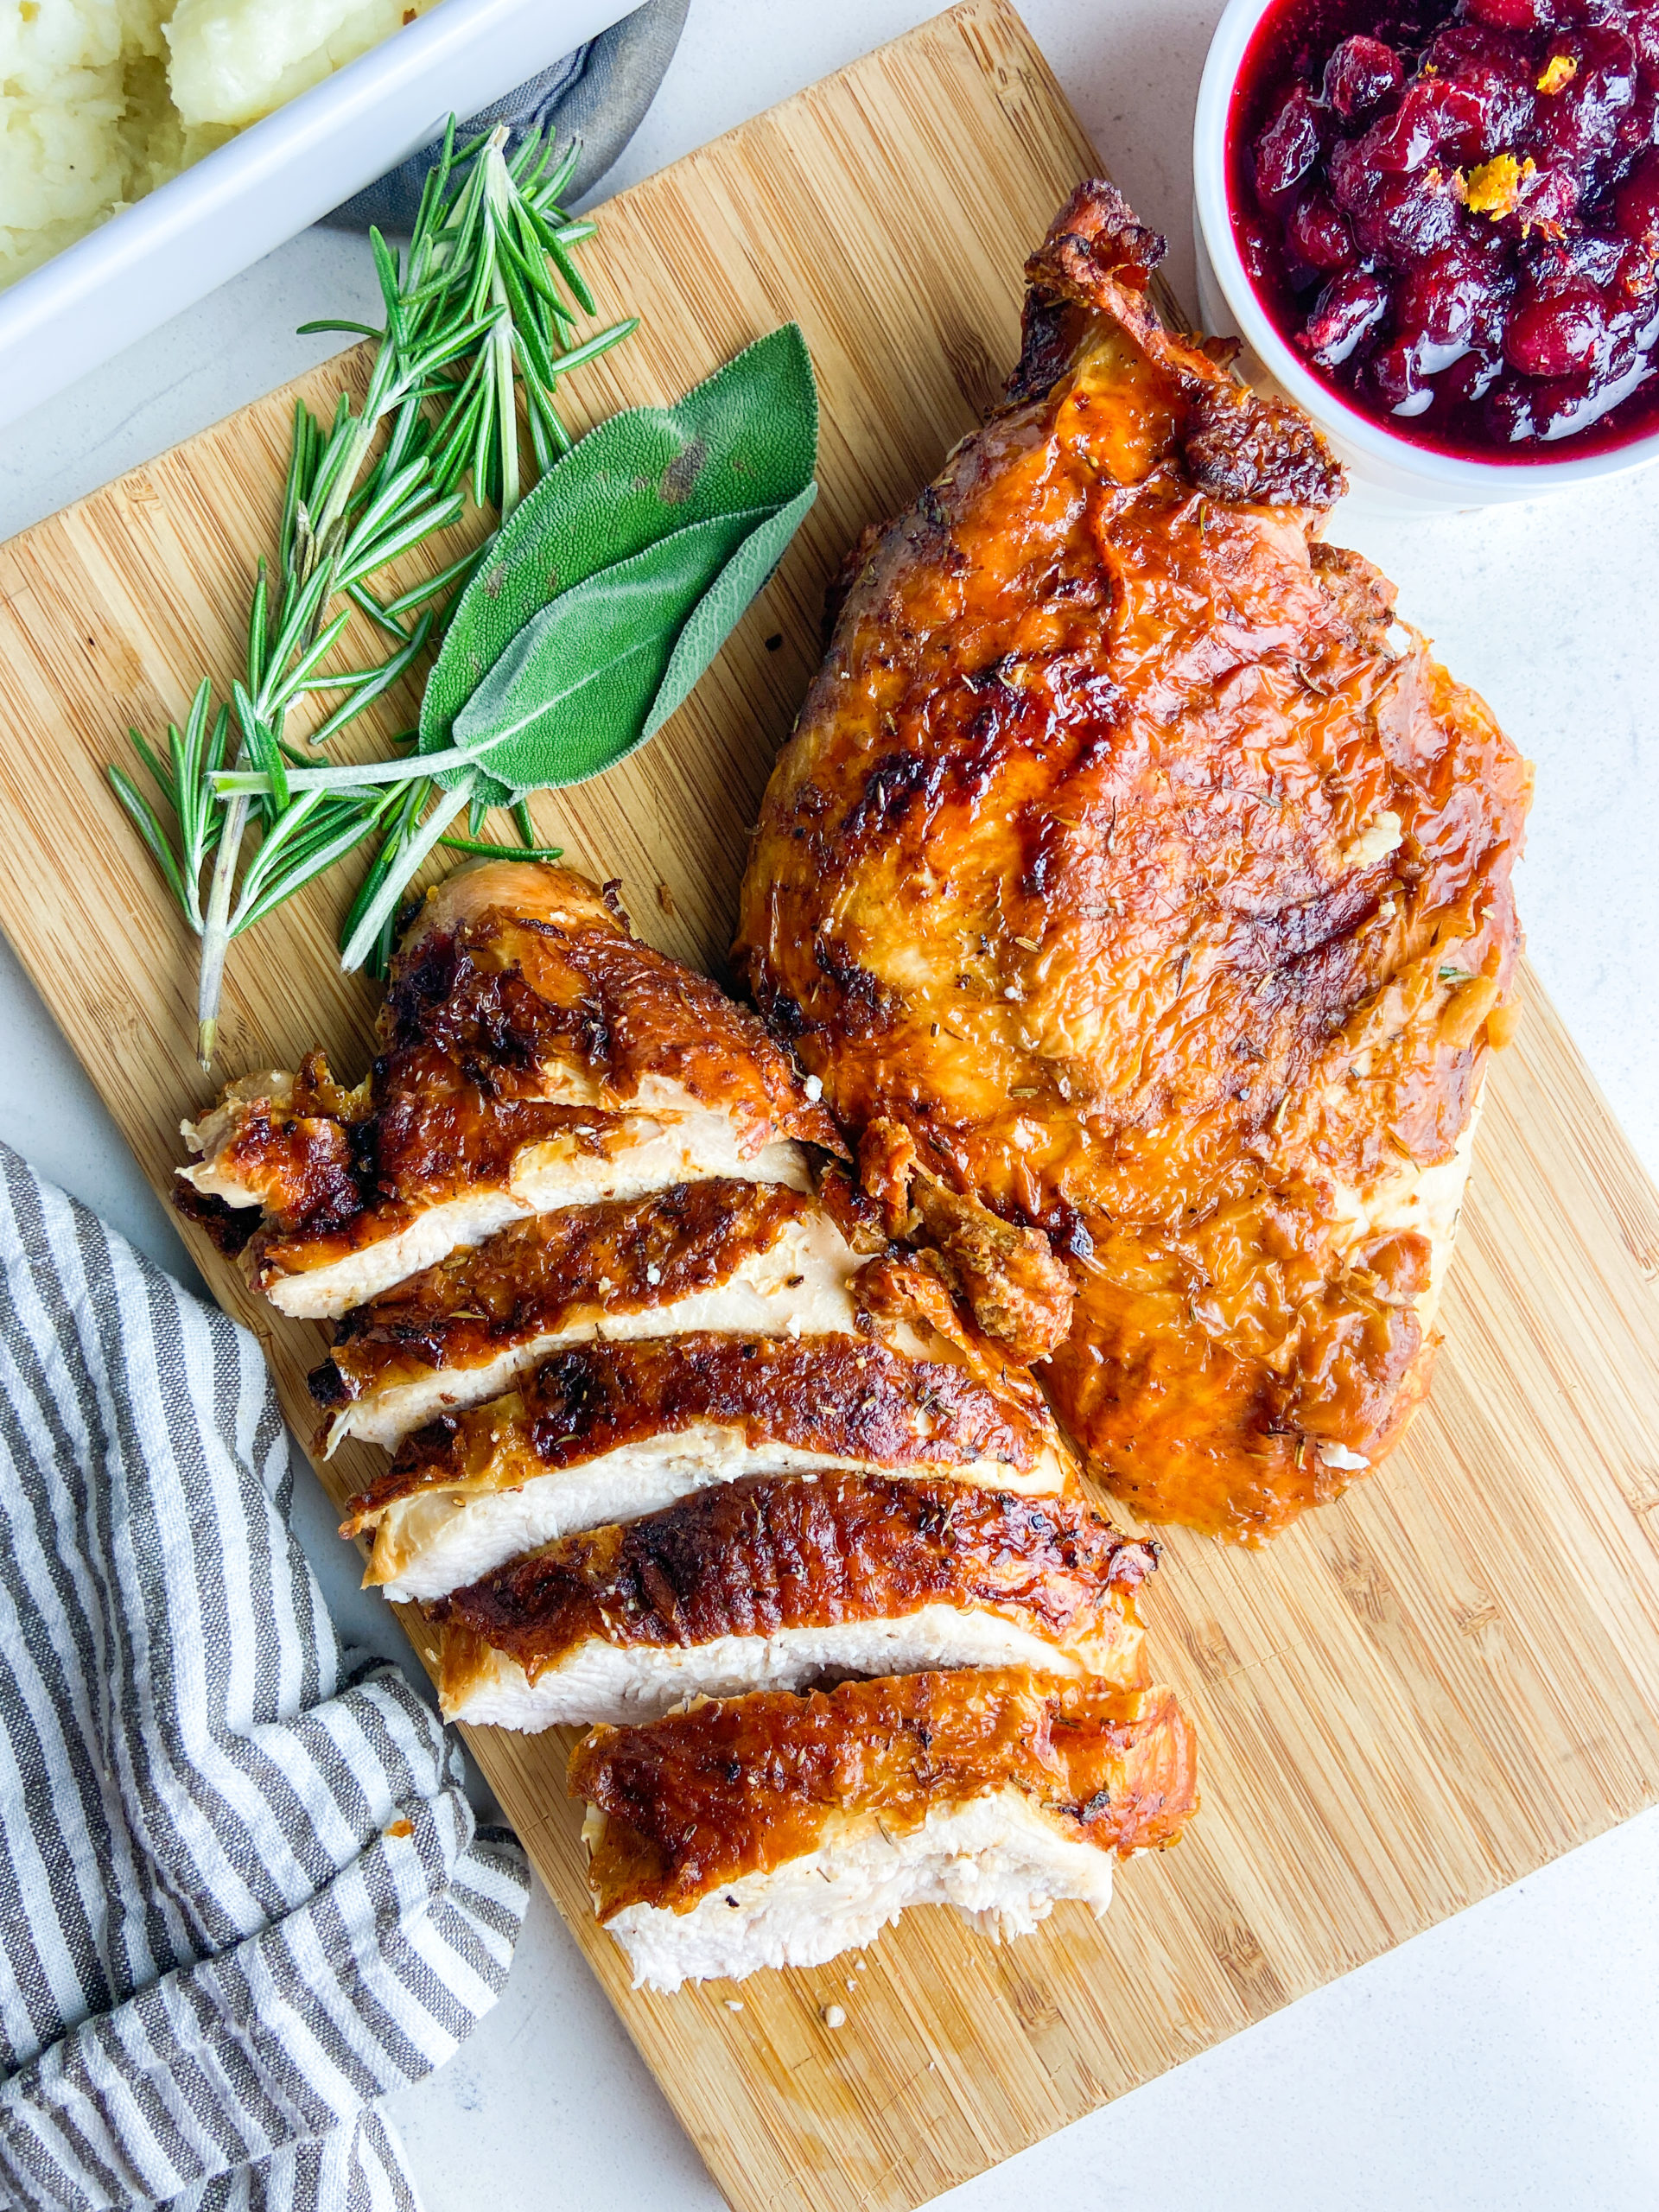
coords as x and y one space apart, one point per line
601 602
565 641
483 304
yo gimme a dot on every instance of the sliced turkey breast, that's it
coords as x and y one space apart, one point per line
608 1432
777 1830
533 969
777 1580
453 1164
536 1056
756 1259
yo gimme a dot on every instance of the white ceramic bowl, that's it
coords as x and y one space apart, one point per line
278 175
1389 472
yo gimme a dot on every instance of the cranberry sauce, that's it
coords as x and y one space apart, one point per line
1451 212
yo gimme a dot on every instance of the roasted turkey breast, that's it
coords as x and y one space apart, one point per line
1135 881
534 1055
777 1580
672 1414
777 1830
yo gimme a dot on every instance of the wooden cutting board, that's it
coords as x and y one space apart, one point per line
1418 1695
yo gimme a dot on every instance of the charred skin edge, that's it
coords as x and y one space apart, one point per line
1098 259
300 1151
511 964
744 1785
1094 250
555 1271
767 1554
848 1399
229 1228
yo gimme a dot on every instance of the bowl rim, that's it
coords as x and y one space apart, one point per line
1361 431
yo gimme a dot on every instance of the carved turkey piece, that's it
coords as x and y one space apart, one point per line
1141 891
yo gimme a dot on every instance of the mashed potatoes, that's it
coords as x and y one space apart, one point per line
102 100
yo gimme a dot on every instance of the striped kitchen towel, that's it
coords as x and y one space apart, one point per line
241 1893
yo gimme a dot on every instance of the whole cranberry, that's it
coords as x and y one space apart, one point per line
1495 76
1636 205
1319 232
1410 217
1257 248
1512 15
1355 179
1405 139
1452 298
1287 149
1362 72
1559 336
1349 307
1479 240
1577 125
1395 373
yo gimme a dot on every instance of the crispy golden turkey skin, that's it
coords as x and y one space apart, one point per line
742 1786
520 1012
771 1553
1132 875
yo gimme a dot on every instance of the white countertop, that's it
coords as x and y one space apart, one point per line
1506 2061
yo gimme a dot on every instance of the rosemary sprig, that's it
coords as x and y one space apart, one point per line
480 303
607 595
183 782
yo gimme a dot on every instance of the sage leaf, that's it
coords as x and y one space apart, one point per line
717 612
740 450
575 689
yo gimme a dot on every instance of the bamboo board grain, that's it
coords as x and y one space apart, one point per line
1419 1694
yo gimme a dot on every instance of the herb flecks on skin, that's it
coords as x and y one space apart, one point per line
473 311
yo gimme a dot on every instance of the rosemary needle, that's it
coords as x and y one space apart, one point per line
483 302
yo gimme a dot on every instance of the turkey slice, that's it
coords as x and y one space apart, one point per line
534 1055
777 1830
462 1173
777 1580
754 1259
606 1432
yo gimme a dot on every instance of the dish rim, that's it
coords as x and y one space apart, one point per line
161 254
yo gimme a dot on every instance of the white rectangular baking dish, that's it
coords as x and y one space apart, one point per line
280 174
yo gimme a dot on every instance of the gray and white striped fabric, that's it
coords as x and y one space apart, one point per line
241 1893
